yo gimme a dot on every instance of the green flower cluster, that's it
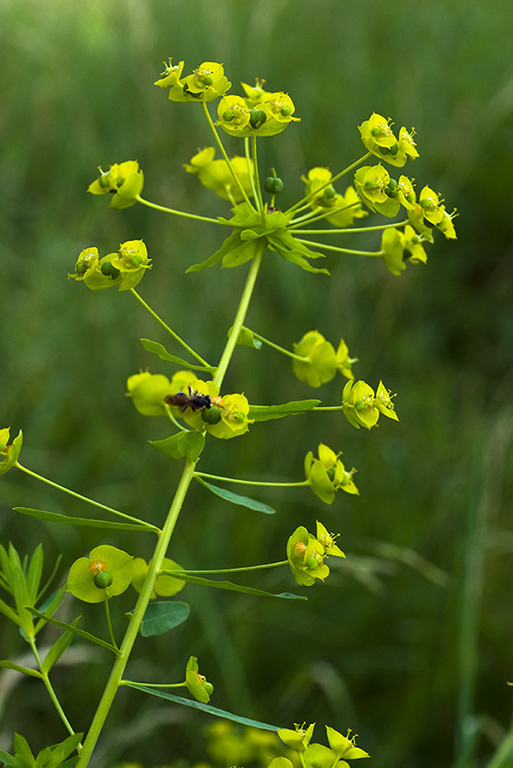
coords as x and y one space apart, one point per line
125 268
306 554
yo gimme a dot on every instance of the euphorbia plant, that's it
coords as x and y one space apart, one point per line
194 401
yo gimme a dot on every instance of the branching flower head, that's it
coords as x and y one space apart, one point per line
327 474
124 181
106 573
378 137
267 116
125 268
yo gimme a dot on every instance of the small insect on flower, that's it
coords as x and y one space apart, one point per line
194 400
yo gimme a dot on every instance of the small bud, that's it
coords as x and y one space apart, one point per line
211 415
102 580
273 185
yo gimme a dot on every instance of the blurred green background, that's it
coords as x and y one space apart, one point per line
409 642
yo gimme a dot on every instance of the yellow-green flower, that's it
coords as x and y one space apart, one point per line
346 207
228 415
241 117
446 226
197 684
362 406
328 541
206 82
344 746
255 94
165 585
320 359
344 361
431 205
297 739
216 175
378 137
124 181
106 573
327 474
306 557
148 391
125 267
377 190
397 247
9 453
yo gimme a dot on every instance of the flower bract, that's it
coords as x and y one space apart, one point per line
165 585
216 175
9 453
196 683
123 180
206 83
125 268
306 557
327 474
105 565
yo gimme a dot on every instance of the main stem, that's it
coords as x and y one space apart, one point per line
164 538
137 617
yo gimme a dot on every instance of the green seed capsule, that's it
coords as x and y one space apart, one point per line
228 115
369 184
104 181
311 563
376 131
415 239
331 473
212 415
285 111
425 202
136 260
108 270
81 268
394 149
329 193
208 80
103 580
360 405
208 687
257 117
273 185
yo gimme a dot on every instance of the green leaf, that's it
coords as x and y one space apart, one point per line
34 573
58 648
231 242
282 245
162 616
247 338
267 412
161 351
61 751
49 606
241 253
80 632
194 579
19 668
90 522
8 760
9 612
189 444
235 498
203 707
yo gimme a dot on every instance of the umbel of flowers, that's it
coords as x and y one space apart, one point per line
188 392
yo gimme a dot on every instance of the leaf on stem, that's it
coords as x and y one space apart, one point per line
161 351
163 616
188 444
89 522
235 498
58 648
267 412
203 707
194 579
80 632
19 668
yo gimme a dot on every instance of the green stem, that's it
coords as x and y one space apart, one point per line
49 688
250 482
223 152
327 212
227 570
328 408
280 349
250 166
340 250
154 685
109 624
350 230
168 329
257 176
137 616
241 314
176 213
328 183
84 498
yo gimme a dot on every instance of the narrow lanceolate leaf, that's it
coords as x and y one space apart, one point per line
58 648
235 498
162 616
204 707
80 632
161 351
188 444
19 668
267 412
195 579
89 522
